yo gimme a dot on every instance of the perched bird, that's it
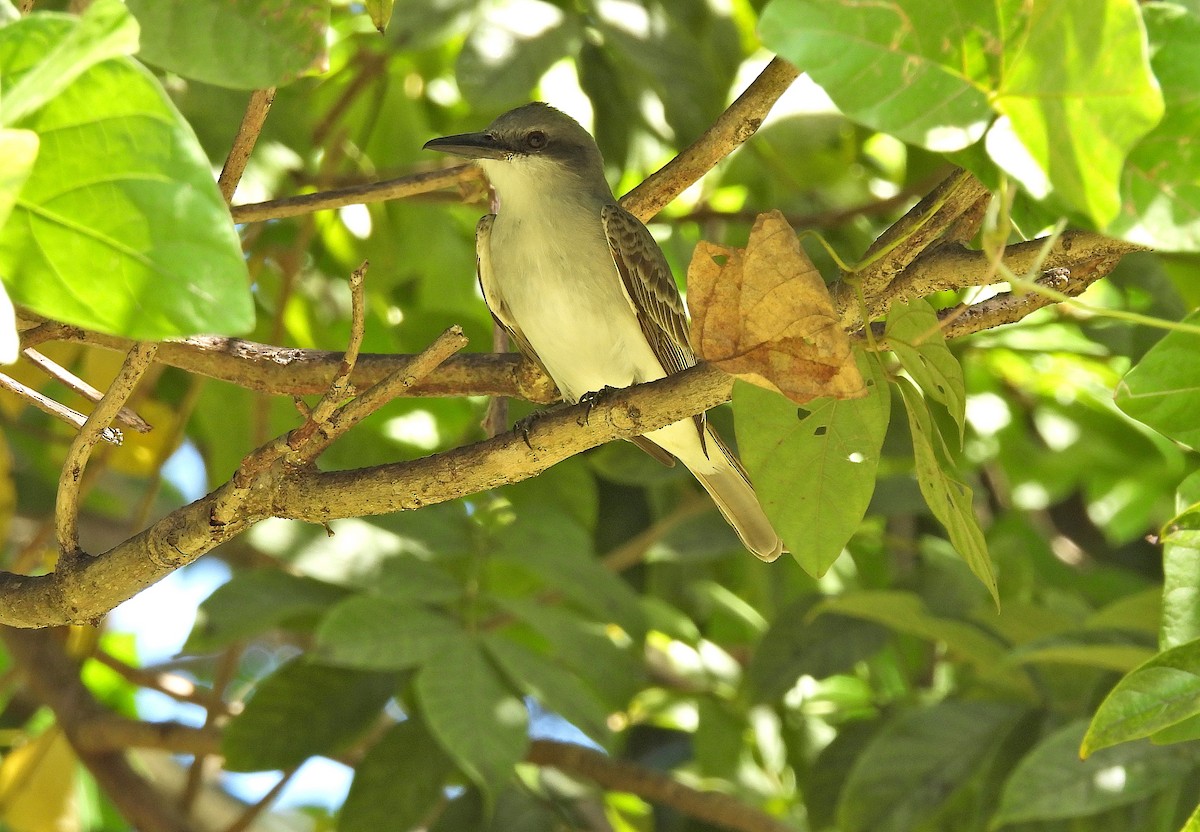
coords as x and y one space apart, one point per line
585 291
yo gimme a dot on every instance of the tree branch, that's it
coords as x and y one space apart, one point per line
243 143
54 679
86 589
404 186
732 128
296 372
624 776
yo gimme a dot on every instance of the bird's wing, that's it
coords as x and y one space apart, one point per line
652 292
491 296
649 287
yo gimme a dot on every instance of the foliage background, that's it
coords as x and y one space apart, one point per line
888 693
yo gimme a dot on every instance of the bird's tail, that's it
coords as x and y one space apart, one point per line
726 482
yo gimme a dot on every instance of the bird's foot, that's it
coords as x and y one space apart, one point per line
523 426
591 399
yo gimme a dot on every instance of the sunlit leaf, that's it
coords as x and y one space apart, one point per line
917 69
1163 388
134 240
914 334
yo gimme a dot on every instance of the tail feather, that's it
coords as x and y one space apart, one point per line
722 475
731 490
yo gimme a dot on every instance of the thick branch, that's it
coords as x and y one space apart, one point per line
623 776
54 679
88 588
734 126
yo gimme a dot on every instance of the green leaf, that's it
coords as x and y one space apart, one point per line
915 764
1193 822
253 602
10 346
248 44
914 334
18 150
1160 188
1184 731
1051 782
1100 649
398 783
613 671
559 551
916 69
814 467
1163 389
1076 95
555 688
905 612
289 718
1163 691
135 240
380 12
949 499
794 646
384 634
472 714
105 30
1181 569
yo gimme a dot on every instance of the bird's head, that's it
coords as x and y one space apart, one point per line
531 148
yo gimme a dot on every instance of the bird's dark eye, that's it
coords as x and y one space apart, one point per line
536 140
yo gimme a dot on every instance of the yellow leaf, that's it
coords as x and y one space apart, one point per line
37 786
763 314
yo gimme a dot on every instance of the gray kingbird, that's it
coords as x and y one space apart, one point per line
585 291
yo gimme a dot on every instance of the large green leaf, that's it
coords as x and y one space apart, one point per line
384 634
244 44
1076 94
917 69
1163 389
949 499
120 226
914 334
105 30
473 714
915 764
1163 691
1051 782
1161 184
814 467
304 709
398 782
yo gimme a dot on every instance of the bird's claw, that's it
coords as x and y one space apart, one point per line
591 399
524 426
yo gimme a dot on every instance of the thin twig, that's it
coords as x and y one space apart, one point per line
61 374
66 507
738 123
444 346
623 776
633 551
225 671
110 732
405 186
169 684
59 411
243 143
252 812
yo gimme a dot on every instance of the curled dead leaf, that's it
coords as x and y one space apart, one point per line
763 314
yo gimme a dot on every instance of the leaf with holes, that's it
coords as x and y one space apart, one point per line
814 467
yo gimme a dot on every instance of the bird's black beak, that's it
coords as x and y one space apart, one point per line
471 146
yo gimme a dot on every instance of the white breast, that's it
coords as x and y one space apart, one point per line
553 269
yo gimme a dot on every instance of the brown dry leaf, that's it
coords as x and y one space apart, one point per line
765 316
